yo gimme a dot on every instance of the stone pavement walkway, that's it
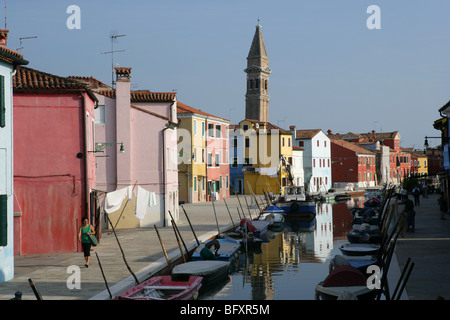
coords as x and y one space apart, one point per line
429 248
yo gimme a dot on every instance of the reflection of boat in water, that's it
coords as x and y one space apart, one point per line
212 271
300 224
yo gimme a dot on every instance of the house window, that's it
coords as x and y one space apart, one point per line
235 142
318 142
100 114
209 159
325 143
247 162
235 162
217 159
245 127
289 142
218 131
195 127
301 143
210 130
2 102
247 142
203 129
195 184
314 163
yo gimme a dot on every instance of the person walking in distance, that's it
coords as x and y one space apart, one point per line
442 205
410 214
416 194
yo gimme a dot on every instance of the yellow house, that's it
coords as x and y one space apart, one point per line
267 153
422 164
194 150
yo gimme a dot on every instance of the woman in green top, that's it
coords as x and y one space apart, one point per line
83 235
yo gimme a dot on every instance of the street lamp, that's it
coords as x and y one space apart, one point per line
426 145
100 146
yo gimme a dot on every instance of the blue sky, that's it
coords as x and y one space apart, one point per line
329 71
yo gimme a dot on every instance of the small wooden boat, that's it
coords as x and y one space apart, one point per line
359 249
359 262
274 215
256 227
228 250
365 215
342 196
357 236
344 282
164 288
212 271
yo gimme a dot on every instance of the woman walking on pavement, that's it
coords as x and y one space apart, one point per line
83 235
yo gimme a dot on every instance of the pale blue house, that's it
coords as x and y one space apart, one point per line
9 60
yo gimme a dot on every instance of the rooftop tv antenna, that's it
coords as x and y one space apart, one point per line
21 45
113 37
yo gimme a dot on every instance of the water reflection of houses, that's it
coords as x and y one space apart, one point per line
323 233
343 218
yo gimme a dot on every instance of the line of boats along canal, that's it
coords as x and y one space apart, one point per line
370 244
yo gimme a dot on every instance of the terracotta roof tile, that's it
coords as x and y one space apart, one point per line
149 96
306 134
351 146
185 109
30 79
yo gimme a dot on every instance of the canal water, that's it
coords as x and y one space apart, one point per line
293 261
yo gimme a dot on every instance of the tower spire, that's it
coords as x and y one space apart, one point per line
257 96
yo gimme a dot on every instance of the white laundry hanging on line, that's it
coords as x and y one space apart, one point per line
145 200
152 199
114 199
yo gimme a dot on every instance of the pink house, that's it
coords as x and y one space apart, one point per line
136 140
54 170
218 166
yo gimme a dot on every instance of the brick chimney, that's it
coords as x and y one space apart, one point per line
292 128
3 37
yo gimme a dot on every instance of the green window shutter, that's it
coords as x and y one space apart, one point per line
2 102
3 220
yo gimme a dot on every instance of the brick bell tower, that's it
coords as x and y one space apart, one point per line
257 96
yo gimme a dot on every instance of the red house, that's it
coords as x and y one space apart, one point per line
54 170
351 163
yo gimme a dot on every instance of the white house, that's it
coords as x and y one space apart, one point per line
9 60
316 158
297 166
